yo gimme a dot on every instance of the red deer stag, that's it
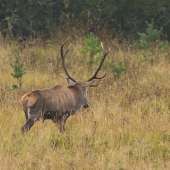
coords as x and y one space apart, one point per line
59 102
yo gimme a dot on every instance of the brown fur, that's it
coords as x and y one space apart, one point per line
59 102
56 103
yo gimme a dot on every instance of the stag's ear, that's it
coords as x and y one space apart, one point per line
89 83
70 82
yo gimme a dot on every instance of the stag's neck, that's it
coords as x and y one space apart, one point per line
77 92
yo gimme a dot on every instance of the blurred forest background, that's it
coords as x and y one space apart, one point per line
118 18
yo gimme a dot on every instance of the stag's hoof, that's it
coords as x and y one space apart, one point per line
24 130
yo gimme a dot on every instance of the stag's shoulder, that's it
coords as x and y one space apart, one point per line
58 87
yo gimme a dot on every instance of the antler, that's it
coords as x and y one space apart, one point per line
63 60
95 74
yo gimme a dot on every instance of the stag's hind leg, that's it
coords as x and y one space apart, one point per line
26 115
31 116
28 125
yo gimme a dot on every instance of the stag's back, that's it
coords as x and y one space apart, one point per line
58 98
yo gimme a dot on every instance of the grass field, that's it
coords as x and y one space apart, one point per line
126 127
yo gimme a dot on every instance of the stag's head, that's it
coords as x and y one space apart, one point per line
82 87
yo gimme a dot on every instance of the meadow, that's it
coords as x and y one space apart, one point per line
126 127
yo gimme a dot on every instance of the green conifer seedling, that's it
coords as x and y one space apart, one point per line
150 41
91 46
118 69
19 71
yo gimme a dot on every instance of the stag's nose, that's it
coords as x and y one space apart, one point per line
85 106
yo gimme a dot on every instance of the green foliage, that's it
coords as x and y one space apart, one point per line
151 41
14 48
91 46
151 35
106 61
118 69
34 17
19 71
15 86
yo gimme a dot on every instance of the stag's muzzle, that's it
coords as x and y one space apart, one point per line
85 106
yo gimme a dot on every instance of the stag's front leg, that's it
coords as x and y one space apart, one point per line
61 120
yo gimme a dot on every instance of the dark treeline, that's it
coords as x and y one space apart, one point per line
122 18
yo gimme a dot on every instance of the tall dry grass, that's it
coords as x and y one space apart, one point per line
126 127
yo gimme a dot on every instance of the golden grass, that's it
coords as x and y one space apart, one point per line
126 127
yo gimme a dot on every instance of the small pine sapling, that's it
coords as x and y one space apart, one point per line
91 46
19 71
150 41
118 69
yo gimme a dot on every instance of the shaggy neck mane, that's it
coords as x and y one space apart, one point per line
75 87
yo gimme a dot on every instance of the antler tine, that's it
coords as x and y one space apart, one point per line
95 74
63 60
94 85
